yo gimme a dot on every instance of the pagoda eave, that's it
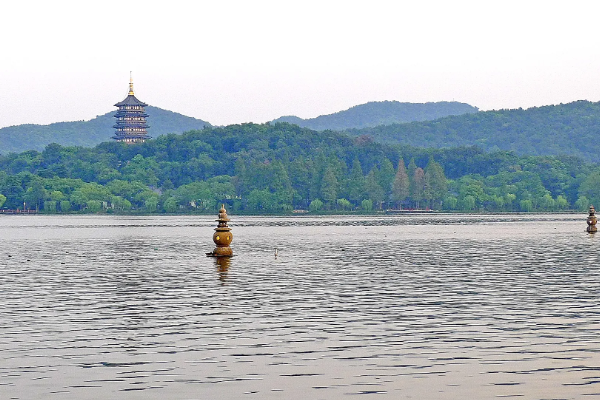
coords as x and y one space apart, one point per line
131 137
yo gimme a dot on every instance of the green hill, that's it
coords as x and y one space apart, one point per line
565 129
280 167
380 113
89 133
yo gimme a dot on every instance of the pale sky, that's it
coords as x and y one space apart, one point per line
229 62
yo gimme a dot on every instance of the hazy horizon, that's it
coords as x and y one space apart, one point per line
305 118
255 62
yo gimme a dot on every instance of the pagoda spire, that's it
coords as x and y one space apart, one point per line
130 84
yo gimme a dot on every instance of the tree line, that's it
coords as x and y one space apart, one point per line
278 168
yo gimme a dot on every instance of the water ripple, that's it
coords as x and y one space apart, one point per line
422 306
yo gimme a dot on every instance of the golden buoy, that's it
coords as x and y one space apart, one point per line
222 236
592 220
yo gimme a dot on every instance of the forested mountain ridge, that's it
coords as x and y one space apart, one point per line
25 137
21 138
276 168
377 113
567 129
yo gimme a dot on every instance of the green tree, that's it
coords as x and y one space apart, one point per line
418 186
167 185
50 206
590 188
35 195
263 200
151 204
120 204
56 195
316 170
526 205
94 206
12 188
329 187
467 203
471 186
412 167
547 202
196 195
435 185
171 205
240 176
374 190
385 177
582 203
279 179
141 169
497 202
509 199
2 200
450 203
356 182
90 191
344 204
65 206
561 202
315 205
78 198
299 172
401 185
107 175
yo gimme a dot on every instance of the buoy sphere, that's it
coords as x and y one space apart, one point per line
222 238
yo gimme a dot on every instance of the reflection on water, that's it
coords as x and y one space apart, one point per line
222 264
435 306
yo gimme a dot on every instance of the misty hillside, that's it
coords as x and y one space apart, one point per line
381 113
565 129
20 138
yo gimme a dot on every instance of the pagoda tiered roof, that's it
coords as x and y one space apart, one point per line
131 100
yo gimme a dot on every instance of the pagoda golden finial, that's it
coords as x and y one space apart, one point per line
130 84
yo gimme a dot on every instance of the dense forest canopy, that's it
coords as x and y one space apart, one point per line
89 133
278 168
565 129
381 113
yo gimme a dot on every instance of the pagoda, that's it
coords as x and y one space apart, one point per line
131 126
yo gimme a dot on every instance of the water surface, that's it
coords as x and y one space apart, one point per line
394 307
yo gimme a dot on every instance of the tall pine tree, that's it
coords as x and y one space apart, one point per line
436 186
374 190
356 183
385 177
329 187
401 185
418 186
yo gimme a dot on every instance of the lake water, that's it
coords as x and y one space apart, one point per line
392 307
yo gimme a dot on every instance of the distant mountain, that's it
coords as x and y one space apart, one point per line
565 129
20 138
381 113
